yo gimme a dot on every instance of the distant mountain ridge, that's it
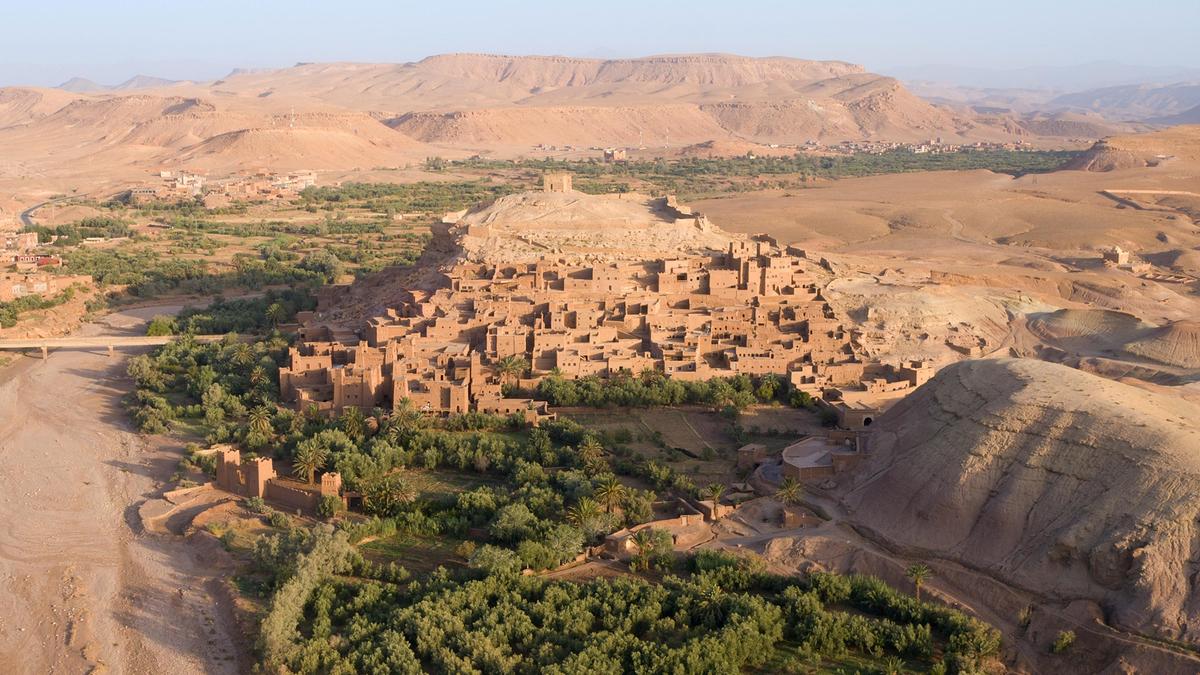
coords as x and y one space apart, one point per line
82 85
388 114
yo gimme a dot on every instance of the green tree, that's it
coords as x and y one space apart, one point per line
161 325
404 421
243 354
511 368
388 495
260 421
1063 641
352 422
790 492
714 492
610 492
275 314
591 453
310 457
584 513
919 573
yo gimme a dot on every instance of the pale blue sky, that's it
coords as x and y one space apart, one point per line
45 42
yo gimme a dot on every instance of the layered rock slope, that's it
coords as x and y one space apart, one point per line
1048 478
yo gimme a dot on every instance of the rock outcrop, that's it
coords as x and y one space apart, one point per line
1062 483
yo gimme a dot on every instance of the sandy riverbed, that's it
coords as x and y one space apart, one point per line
82 589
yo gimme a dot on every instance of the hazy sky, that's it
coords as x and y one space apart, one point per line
44 42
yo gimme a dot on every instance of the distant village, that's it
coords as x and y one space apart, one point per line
932 146
257 186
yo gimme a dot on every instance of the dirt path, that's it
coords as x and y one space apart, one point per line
81 589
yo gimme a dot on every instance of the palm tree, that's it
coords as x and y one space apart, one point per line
308 459
919 573
610 492
258 376
404 421
591 452
789 491
260 421
714 491
644 540
892 665
585 512
511 368
352 422
275 314
243 355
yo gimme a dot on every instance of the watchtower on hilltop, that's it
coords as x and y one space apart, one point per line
557 182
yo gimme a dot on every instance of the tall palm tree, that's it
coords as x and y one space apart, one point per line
714 491
591 453
260 421
610 492
404 421
511 368
243 354
352 422
644 540
919 573
258 376
583 513
789 491
275 314
308 459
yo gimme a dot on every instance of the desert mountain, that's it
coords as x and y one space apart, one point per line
1189 116
478 99
1056 481
1132 102
356 115
154 130
82 85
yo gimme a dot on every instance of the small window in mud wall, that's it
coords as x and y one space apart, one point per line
866 421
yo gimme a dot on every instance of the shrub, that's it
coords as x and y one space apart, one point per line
161 325
279 519
329 506
496 561
1063 641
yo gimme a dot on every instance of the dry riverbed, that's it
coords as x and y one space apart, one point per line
82 588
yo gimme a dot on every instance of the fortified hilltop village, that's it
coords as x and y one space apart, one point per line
686 363
592 285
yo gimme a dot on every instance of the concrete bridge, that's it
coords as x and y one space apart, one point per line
111 342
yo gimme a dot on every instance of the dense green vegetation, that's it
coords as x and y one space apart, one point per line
532 499
539 489
653 388
72 234
256 315
148 273
10 311
698 176
722 614
424 197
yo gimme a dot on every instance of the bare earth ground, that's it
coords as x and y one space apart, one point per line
81 588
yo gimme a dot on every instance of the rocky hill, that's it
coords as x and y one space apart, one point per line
1181 143
1050 479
